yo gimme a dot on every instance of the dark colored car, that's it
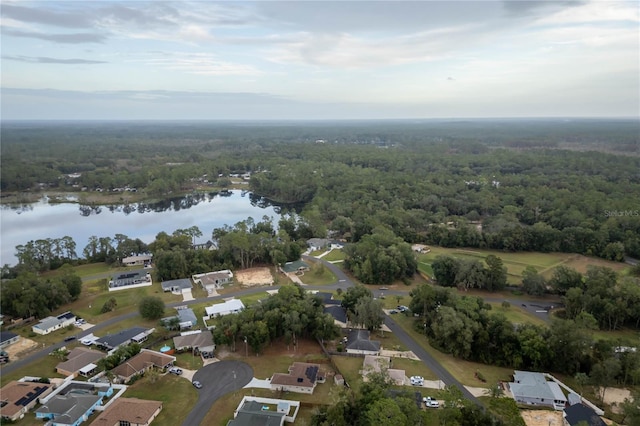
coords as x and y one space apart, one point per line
70 338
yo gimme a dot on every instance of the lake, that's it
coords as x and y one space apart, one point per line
19 225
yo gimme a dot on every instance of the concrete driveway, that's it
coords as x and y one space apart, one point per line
218 379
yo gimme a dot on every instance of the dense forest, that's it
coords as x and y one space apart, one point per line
540 185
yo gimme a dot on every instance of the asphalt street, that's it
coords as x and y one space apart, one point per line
217 379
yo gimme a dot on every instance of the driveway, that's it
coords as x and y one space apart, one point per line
218 379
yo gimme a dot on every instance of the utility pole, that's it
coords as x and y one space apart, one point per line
246 347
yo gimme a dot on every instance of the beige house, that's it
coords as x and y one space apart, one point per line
139 364
377 364
129 411
77 360
302 378
16 398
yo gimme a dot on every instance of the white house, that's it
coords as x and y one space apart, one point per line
211 281
142 260
49 324
534 389
232 306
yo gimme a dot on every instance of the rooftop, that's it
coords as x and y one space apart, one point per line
132 410
300 374
19 395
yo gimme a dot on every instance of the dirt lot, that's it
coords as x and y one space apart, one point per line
19 348
254 277
542 417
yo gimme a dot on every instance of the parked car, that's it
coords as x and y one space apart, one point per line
70 338
393 311
430 402
383 288
417 380
197 384
175 370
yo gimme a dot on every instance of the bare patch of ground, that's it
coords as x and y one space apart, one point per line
254 277
542 417
616 396
20 348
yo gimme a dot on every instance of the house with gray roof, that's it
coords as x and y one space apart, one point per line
255 411
50 324
534 389
201 342
358 342
186 318
77 360
176 286
111 342
70 409
130 279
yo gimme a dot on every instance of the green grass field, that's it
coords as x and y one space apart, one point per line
334 255
318 275
517 262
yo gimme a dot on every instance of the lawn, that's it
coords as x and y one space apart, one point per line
516 314
334 255
44 367
517 262
318 275
413 367
350 369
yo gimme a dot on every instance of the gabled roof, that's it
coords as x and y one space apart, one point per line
337 312
124 336
294 266
78 358
196 340
229 306
5 336
182 283
68 409
20 394
529 384
252 414
300 374
581 413
359 340
132 410
142 361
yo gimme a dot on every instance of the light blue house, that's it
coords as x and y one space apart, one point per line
69 410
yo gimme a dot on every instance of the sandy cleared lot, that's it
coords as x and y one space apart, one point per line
21 347
254 277
542 417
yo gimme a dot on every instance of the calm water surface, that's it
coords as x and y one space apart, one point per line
144 221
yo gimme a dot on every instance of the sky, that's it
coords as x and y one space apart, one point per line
270 60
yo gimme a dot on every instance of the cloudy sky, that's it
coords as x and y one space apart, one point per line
319 60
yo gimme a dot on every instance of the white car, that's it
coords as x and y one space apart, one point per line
417 380
430 402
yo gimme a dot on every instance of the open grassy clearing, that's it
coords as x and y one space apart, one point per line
413 367
318 275
518 261
349 368
334 255
516 314
44 367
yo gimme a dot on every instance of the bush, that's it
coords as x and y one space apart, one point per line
151 308
109 305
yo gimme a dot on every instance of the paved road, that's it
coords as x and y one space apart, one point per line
427 359
218 379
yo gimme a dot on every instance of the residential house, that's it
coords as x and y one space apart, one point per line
232 306
316 244
254 411
8 338
333 307
534 389
80 360
16 398
209 245
130 412
186 318
212 281
358 342
69 410
295 267
142 260
142 362
420 248
302 378
71 387
201 342
176 286
50 324
580 414
128 280
111 342
376 364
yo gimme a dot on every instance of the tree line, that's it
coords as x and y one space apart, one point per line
467 328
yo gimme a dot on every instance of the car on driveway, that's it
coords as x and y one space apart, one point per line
393 311
175 370
417 380
197 384
430 402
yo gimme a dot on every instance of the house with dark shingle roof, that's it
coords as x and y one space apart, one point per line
578 413
302 378
19 397
134 334
131 411
177 286
358 342
8 338
199 342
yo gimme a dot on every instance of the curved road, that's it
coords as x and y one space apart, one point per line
205 375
